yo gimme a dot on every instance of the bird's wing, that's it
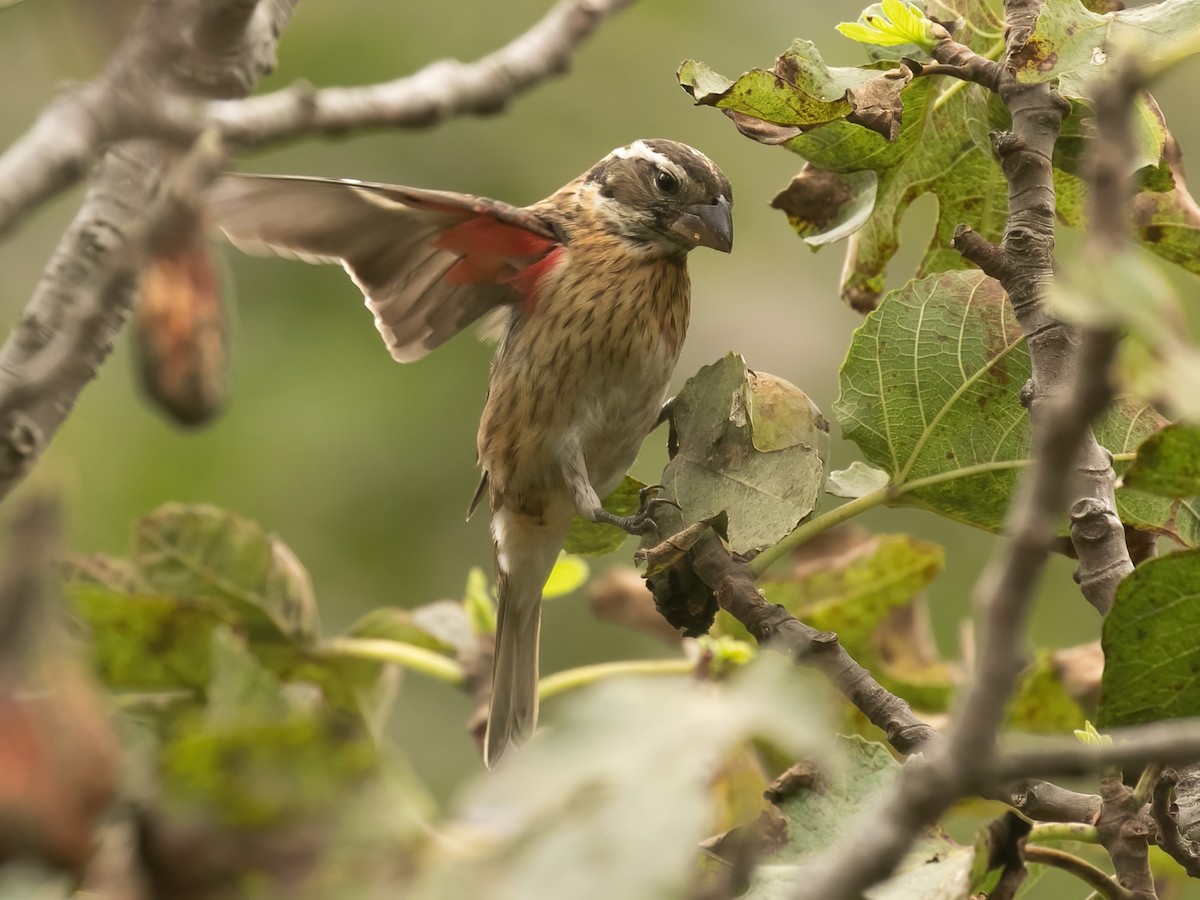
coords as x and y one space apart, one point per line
428 262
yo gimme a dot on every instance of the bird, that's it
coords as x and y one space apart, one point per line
589 293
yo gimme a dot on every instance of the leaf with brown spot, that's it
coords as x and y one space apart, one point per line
798 91
932 138
825 207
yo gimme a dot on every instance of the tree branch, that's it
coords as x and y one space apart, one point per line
1065 402
1165 814
161 84
438 92
1023 265
58 149
1124 828
174 46
1171 742
732 583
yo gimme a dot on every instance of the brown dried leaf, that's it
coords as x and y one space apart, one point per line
877 103
182 333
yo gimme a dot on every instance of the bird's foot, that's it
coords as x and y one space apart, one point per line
641 522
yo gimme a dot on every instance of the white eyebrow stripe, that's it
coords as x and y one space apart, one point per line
640 150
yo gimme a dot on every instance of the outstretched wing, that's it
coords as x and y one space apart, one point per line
428 262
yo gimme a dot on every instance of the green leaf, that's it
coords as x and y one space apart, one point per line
264 752
201 552
1124 291
146 643
1041 703
856 480
479 602
1080 48
241 690
197 567
594 539
1167 463
569 574
1091 737
1152 644
800 90
893 23
820 815
725 653
1073 149
934 153
288 593
930 392
862 182
751 445
1168 221
268 774
391 623
640 791
99 569
853 594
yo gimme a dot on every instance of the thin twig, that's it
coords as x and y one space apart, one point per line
1094 877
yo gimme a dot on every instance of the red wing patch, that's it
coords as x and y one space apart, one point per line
494 252
528 281
485 236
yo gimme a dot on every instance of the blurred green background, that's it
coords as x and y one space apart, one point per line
365 467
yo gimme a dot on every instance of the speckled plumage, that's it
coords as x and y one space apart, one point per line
593 287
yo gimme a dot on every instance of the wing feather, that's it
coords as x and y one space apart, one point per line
429 263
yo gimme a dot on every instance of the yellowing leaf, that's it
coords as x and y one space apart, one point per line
569 574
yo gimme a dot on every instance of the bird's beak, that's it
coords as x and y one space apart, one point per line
707 225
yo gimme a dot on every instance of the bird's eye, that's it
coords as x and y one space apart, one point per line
667 183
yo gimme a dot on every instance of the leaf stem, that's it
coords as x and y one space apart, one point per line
1094 877
1145 783
820 524
993 52
1049 832
886 495
410 656
582 676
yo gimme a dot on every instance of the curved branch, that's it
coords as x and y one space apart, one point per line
1095 878
438 92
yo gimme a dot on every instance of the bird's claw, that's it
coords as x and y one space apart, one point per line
642 522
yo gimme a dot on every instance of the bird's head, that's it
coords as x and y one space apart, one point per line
662 196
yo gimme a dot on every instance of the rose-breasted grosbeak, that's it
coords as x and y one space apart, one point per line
592 288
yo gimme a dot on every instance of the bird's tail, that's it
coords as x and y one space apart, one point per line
525 553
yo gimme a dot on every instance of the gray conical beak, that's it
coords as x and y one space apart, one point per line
707 225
